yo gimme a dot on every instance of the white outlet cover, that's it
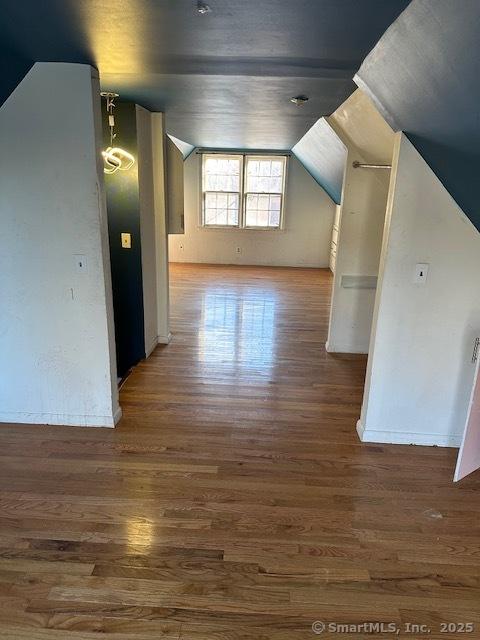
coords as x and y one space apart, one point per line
421 273
80 263
126 240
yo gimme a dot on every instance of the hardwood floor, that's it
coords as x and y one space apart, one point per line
234 500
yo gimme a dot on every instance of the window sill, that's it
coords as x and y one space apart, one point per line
229 228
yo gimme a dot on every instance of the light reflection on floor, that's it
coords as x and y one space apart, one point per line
139 533
238 330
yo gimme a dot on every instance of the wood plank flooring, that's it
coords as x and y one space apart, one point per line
234 500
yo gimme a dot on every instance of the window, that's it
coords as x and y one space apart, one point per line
264 192
222 176
243 191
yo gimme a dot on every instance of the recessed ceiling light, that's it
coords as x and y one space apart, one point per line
202 7
299 100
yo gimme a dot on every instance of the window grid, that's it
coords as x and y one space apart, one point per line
263 210
222 177
221 208
264 191
256 199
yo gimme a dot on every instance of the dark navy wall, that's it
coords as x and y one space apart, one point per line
13 68
424 75
123 208
224 79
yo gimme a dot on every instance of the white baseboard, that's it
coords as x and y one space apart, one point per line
338 349
405 437
176 258
151 348
158 340
117 416
61 419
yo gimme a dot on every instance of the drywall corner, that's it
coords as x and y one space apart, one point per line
420 373
56 326
105 245
161 223
407 437
146 187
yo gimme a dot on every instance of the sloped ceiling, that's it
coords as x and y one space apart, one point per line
184 148
360 126
356 124
225 78
424 75
323 154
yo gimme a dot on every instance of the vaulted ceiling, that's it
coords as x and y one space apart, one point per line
424 76
323 154
224 78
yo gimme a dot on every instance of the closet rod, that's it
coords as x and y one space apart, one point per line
362 165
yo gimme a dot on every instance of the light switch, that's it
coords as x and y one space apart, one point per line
421 273
126 241
80 263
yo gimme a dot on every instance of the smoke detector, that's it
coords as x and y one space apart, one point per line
299 100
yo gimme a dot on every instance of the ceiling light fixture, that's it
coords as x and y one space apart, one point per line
114 158
299 100
202 7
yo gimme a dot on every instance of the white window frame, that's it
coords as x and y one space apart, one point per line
225 156
245 157
246 193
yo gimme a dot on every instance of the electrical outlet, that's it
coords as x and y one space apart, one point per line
421 273
126 240
80 263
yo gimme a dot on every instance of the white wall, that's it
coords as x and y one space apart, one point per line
419 372
161 223
362 215
56 325
153 227
175 181
362 218
147 226
305 241
364 128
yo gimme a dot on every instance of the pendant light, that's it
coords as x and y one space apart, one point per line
114 158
